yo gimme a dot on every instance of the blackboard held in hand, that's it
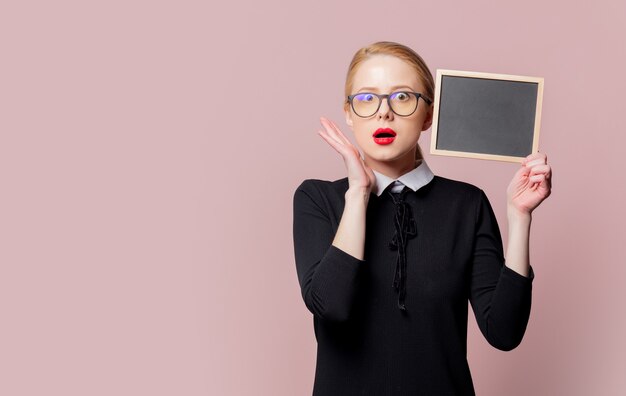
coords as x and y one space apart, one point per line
486 115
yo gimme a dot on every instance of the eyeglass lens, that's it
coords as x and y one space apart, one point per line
402 103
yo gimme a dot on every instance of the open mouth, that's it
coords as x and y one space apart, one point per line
384 136
384 132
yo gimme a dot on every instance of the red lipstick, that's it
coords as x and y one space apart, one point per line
384 135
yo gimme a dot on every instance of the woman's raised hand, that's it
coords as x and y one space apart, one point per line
360 176
531 184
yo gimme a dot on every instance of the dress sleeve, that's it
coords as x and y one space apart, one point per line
327 274
500 297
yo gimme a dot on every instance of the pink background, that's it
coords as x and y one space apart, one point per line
149 155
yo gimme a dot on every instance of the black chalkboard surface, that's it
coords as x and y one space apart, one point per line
486 115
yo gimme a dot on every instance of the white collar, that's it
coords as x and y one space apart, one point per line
415 179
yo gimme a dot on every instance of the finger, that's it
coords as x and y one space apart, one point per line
537 169
329 132
537 161
335 129
529 157
542 157
522 172
332 129
333 143
345 151
539 157
537 178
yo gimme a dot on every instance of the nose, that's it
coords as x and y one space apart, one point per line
384 111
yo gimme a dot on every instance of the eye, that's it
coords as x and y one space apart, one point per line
365 97
400 96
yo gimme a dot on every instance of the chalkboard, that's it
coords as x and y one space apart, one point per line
486 115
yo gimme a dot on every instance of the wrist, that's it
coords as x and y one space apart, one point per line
357 194
515 214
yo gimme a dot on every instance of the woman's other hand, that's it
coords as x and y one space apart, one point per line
360 176
531 184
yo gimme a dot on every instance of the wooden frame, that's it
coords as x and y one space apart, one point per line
522 150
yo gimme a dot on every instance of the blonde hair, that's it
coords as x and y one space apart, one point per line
399 51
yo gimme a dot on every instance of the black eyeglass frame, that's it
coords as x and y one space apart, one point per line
386 96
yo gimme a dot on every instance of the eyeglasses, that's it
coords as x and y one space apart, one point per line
402 103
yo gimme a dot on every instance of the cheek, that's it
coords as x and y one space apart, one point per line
361 138
363 131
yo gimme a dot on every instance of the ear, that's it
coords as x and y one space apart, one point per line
428 121
348 114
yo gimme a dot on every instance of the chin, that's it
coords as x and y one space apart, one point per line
388 153
389 156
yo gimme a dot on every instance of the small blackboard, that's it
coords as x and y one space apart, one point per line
486 115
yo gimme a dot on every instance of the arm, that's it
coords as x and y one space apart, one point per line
327 271
502 303
519 235
351 231
500 296
531 185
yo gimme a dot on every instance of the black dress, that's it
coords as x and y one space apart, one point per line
395 323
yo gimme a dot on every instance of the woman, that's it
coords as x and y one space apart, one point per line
388 257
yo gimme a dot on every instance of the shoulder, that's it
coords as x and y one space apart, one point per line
320 190
454 187
459 194
456 194
324 187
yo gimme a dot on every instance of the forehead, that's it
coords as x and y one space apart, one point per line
383 73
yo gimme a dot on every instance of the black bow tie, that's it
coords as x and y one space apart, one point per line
405 229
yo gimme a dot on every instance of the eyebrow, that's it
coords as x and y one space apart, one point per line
392 88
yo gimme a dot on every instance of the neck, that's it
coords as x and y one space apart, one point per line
394 169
